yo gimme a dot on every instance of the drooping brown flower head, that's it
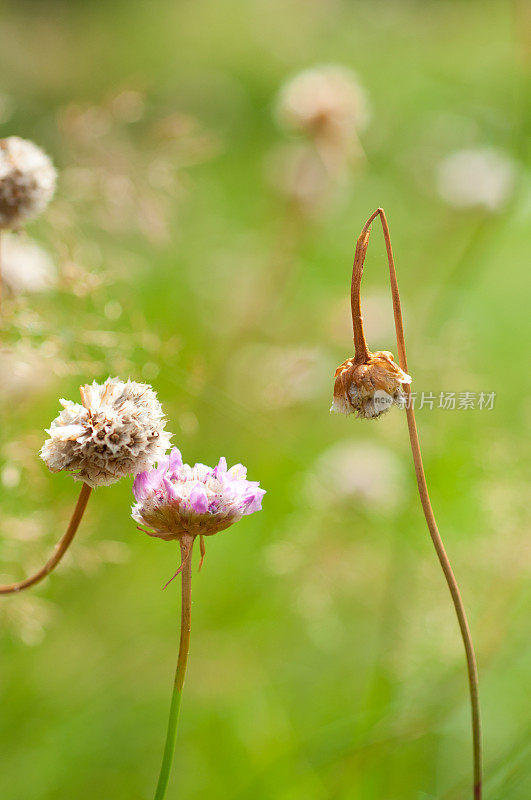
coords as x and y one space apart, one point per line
369 388
367 384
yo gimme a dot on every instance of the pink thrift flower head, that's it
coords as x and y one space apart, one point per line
177 501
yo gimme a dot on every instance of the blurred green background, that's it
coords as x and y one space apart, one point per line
190 253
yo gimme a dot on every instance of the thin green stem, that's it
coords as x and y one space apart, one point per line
184 646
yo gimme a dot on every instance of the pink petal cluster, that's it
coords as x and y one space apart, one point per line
176 499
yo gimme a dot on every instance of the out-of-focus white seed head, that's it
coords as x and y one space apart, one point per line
475 178
324 101
27 181
117 430
25 266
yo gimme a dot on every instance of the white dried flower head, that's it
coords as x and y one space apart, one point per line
27 181
475 178
117 430
25 266
325 100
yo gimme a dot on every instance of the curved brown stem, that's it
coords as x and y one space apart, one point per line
361 351
60 549
430 517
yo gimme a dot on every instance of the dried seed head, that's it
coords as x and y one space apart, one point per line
176 500
118 430
27 181
369 388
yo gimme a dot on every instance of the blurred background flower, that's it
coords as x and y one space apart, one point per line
26 267
483 177
27 181
328 107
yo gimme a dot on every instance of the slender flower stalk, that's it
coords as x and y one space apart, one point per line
178 502
180 672
60 550
359 339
